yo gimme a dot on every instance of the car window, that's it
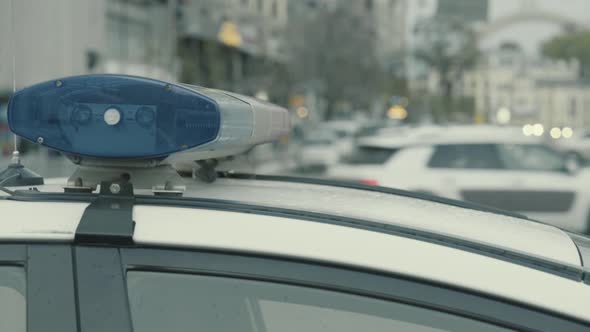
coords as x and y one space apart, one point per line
342 133
366 155
183 302
478 156
12 299
531 157
317 142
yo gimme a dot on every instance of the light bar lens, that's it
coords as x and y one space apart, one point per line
114 116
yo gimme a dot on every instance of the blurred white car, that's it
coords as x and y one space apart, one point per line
318 150
488 165
345 132
577 146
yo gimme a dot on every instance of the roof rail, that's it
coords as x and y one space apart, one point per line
377 189
95 230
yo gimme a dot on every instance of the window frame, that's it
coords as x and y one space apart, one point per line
502 162
50 291
494 146
506 167
372 284
362 149
102 300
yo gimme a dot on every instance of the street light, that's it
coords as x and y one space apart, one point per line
538 129
302 112
527 130
555 133
503 116
567 132
397 112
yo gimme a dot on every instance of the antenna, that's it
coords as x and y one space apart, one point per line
15 153
16 174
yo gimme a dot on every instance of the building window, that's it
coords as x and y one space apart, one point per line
274 8
260 5
587 112
369 5
245 3
573 108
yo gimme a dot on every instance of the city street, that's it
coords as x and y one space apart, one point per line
294 165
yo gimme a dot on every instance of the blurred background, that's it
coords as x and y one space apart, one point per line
347 70
512 62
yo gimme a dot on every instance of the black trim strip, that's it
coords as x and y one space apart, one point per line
422 293
377 189
568 271
50 289
102 295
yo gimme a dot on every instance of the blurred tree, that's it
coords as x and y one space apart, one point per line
333 52
574 45
449 48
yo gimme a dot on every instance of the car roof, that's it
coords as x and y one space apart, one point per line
455 134
336 225
383 208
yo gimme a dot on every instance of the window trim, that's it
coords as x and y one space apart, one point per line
498 147
473 305
50 292
13 254
102 301
494 146
503 167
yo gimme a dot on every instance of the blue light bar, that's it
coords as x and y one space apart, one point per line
114 116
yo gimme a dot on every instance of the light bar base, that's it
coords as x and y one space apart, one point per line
148 178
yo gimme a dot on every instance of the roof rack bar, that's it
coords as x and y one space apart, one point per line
565 270
547 265
109 218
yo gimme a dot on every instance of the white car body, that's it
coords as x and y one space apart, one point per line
319 149
558 197
578 145
472 250
345 131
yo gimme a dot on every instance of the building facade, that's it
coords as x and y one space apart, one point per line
534 90
71 37
228 43
59 38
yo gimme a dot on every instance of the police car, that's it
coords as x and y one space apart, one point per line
489 165
128 244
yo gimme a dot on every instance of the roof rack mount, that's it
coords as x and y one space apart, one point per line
109 218
160 179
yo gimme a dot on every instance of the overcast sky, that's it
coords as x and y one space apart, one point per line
531 34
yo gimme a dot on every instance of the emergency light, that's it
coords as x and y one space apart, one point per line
118 117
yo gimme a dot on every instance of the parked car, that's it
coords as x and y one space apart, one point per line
488 165
577 146
318 151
